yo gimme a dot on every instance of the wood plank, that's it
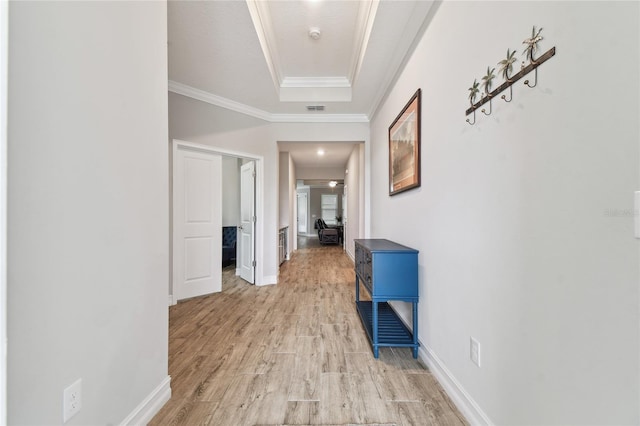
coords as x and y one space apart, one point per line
336 400
333 360
302 413
305 382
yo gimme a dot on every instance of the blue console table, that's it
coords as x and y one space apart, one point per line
389 271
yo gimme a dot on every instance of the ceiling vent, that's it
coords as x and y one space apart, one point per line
315 107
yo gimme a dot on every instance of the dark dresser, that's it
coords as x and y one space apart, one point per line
388 271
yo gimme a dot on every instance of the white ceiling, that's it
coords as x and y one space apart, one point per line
256 56
305 154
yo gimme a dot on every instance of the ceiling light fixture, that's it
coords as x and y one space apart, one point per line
333 183
321 152
314 33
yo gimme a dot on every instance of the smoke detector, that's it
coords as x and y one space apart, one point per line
314 33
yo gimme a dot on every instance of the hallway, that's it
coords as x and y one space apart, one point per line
294 353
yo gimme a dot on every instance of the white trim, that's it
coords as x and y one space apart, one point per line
460 397
260 209
268 280
309 82
261 19
210 98
366 18
150 406
171 301
201 95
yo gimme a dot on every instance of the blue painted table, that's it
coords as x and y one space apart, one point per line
388 271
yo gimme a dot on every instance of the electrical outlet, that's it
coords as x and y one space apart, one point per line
474 352
72 400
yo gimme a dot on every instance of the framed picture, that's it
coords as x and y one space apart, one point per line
404 148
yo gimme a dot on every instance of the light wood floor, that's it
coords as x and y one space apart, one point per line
294 353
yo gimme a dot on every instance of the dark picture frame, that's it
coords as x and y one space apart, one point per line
404 148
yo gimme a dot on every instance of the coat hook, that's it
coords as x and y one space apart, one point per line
490 108
474 118
536 79
504 97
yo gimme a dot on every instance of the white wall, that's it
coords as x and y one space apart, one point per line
287 195
520 223
321 173
283 189
284 196
88 197
354 203
4 55
230 191
293 208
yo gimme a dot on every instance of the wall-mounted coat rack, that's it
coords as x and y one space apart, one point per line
507 65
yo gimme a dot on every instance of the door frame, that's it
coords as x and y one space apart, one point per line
259 193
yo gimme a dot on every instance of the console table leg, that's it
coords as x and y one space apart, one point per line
374 304
415 329
357 289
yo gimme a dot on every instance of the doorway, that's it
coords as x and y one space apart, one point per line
197 259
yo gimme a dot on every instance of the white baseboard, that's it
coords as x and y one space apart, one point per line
460 397
171 301
238 271
150 406
268 280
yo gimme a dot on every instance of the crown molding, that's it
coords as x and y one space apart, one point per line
366 17
264 29
308 82
201 95
401 61
210 98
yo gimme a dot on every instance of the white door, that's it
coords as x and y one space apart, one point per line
246 251
197 224
302 213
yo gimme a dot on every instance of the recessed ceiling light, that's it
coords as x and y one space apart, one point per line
321 152
333 183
